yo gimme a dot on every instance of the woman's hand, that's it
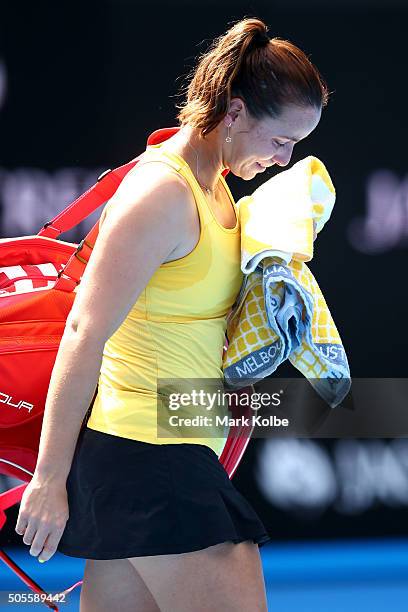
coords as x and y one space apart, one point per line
42 516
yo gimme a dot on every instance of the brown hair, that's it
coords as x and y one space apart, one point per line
266 73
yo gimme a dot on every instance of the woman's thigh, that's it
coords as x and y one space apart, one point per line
114 585
224 577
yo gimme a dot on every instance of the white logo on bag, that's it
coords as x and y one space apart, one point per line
8 399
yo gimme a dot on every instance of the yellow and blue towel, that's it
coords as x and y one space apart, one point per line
280 312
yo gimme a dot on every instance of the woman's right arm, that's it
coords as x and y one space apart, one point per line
146 222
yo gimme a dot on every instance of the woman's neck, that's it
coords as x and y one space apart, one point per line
189 146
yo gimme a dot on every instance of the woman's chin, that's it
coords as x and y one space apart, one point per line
247 173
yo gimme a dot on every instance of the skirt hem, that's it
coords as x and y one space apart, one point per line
155 550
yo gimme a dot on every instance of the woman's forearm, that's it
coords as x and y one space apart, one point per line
72 386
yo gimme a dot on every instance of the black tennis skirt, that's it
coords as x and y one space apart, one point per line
129 498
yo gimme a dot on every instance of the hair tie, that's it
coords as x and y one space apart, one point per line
261 38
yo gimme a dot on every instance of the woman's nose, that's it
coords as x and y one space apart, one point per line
282 159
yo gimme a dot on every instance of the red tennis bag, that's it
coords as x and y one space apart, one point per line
38 278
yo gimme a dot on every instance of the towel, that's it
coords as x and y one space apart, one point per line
280 312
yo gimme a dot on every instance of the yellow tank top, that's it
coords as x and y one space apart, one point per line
175 329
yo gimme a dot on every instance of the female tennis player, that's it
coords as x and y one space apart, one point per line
159 522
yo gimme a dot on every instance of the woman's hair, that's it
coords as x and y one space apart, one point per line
267 73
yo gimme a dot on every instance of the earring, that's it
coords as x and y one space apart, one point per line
228 138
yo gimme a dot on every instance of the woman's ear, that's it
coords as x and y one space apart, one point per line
236 109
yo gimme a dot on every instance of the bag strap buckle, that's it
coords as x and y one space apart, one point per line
80 247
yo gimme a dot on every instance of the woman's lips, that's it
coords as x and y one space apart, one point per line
263 166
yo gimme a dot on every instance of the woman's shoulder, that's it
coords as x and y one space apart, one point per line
156 169
151 179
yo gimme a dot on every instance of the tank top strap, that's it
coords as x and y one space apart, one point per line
175 161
